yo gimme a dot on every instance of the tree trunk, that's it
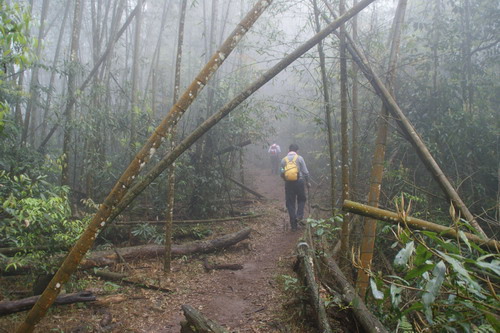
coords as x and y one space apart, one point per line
33 102
169 214
68 115
328 111
344 238
135 91
377 172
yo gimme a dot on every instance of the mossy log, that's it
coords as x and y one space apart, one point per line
8 307
198 323
307 270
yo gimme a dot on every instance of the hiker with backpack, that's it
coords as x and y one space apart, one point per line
274 152
294 171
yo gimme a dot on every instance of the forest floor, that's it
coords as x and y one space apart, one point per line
253 299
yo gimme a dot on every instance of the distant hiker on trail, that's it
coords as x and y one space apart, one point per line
294 171
274 152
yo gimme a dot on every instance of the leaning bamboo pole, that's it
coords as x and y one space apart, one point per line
120 189
411 134
168 159
413 222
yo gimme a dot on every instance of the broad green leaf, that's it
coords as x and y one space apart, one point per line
463 273
419 271
494 266
377 294
464 239
404 255
395 295
422 255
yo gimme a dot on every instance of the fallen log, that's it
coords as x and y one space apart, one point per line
335 279
258 195
413 222
306 263
210 267
8 307
224 219
198 323
104 258
123 278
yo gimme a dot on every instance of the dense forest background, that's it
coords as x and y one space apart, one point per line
83 84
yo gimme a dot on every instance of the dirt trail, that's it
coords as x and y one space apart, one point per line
249 300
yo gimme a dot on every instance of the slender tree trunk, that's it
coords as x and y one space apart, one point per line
354 114
169 216
86 240
33 101
134 107
50 90
467 88
377 172
68 117
344 239
328 111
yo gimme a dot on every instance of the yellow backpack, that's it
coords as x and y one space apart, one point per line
291 169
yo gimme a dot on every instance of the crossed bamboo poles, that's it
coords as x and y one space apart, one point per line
122 193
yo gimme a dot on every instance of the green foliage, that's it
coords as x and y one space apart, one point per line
326 227
36 217
15 46
445 280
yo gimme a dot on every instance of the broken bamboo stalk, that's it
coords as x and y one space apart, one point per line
370 323
121 187
306 262
198 323
394 218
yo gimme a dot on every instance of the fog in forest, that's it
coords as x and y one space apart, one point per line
165 110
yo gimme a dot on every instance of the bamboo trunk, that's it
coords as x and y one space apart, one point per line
394 218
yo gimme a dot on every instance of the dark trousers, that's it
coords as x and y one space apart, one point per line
295 195
275 164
